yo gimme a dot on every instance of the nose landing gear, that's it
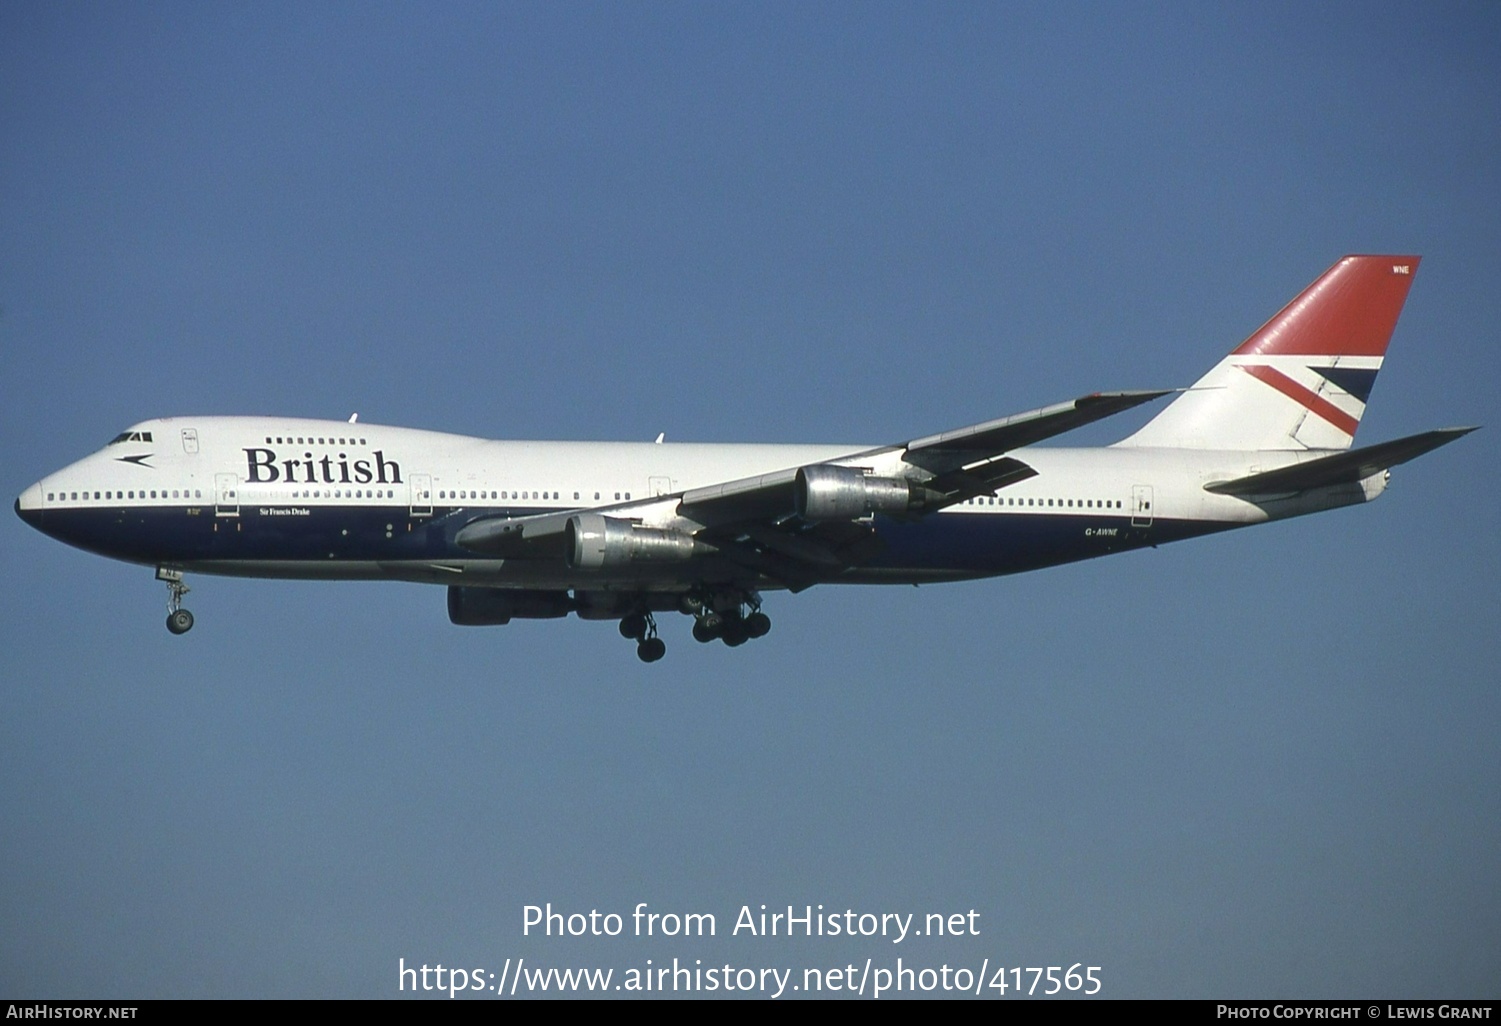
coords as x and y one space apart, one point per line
179 620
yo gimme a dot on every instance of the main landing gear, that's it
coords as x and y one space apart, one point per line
642 629
179 620
733 619
730 615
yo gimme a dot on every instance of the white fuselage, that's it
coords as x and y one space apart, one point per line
257 496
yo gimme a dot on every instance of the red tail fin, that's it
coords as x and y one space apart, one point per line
1350 311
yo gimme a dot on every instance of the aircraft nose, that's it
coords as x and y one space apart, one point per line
29 506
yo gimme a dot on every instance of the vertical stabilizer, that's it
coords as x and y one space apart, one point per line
1302 379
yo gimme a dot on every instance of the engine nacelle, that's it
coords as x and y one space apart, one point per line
594 541
489 607
845 493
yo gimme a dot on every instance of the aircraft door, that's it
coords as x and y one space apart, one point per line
1141 505
421 486
659 485
226 495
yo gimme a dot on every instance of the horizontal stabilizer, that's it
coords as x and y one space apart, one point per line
1339 468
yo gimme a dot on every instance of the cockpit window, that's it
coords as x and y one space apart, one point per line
131 436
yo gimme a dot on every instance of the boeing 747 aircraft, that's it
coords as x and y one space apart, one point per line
623 531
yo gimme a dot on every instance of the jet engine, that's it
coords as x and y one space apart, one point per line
594 541
845 493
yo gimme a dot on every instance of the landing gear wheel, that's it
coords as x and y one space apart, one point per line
179 620
757 625
642 629
707 628
734 633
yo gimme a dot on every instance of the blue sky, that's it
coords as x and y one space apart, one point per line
1261 764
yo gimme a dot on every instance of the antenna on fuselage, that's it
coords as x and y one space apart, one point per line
353 417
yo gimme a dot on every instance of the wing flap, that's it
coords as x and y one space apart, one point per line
794 555
958 485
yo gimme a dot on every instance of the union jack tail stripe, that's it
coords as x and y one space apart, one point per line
1311 401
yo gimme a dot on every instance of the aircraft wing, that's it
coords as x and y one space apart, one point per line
534 537
953 465
952 449
968 456
803 524
1340 468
